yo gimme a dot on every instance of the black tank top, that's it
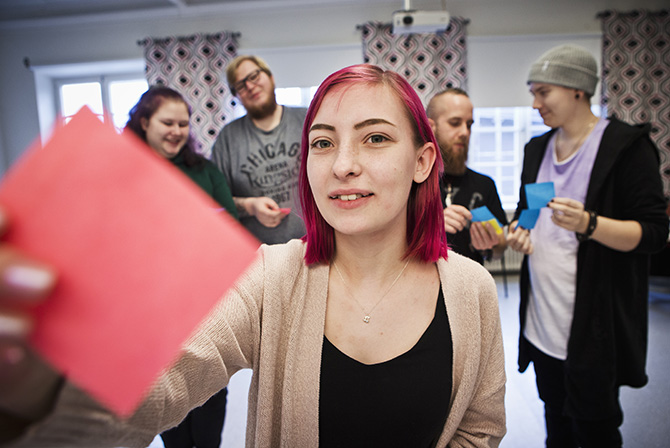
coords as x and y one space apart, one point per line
403 402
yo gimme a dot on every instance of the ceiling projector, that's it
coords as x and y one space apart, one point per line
413 21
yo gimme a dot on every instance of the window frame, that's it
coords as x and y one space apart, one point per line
49 77
105 81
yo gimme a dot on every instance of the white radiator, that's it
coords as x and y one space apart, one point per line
512 260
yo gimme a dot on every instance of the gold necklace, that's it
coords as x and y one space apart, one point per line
366 318
579 143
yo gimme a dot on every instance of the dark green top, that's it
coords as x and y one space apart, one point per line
210 179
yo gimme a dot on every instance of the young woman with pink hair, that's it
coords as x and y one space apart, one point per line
364 333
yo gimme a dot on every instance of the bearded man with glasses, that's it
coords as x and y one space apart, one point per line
259 154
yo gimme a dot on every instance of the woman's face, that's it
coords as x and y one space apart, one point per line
556 104
363 159
167 129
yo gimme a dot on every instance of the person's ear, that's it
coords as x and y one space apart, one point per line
144 123
431 122
425 162
578 95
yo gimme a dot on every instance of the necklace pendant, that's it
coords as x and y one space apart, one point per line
366 319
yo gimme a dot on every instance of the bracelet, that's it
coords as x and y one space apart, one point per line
593 221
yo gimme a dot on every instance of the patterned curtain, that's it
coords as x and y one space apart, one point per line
636 74
194 66
430 62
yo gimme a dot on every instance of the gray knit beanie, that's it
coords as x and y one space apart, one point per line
568 66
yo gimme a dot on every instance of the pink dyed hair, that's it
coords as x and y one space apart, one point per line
426 237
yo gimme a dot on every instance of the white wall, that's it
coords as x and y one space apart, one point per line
498 65
302 44
313 63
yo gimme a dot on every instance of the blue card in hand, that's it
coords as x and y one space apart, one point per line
538 195
528 218
483 214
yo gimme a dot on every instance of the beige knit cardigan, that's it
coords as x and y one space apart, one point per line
272 322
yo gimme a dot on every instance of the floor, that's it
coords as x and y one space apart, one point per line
646 410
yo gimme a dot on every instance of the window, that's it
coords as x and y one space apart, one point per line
109 98
496 146
123 95
295 96
74 96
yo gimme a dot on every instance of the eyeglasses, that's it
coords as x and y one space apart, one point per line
253 77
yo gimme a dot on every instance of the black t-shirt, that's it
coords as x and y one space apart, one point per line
471 190
403 402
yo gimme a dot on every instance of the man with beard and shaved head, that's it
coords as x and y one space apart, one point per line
450 116
259 154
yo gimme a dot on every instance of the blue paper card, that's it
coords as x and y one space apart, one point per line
483 214
528 218
538 195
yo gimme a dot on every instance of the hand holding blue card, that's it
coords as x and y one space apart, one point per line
539 195
483 214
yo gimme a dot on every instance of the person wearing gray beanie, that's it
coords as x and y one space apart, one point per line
584 279
568 66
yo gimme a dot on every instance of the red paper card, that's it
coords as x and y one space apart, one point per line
141 256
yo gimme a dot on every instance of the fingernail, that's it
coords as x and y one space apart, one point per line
13 326
29 277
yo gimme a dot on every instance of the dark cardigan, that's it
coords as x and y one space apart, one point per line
607 347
